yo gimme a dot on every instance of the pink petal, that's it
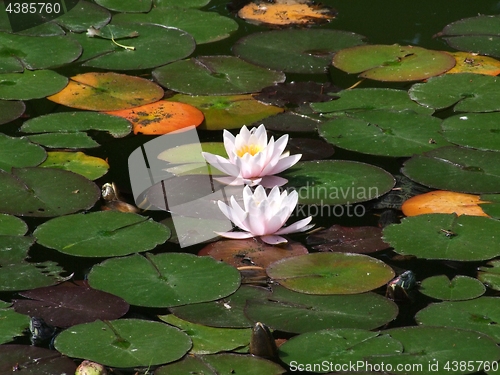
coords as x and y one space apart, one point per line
233 181
221 164
299 226
273 240
272 181
235 235
283 164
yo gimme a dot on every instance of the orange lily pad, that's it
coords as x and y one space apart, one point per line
161 117
107 92
286 13
473 63
442 201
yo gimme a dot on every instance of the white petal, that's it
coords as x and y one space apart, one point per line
221 164
271 181
233 181
229 140
284 163
235 216
299 226
273 240
235 235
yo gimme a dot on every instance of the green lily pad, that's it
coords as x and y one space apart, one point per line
124 342
184 4
127 6
90 167
290 311
295 51
393 63
210 340
475 130
19 152
330 273
437 350
291 122
10 110
384 133
193 21
155 45
445 236
476 34
468 92
12 324
14 248
165 280
35 360
491 208
226 312
12 226
106 234
188 153
315 351
78 121
30 85
45 192
480 315
74 140
221 364
228 112
215 75
23 275
490 274
459 288
331 182
456 169
19 52
84 15
369 99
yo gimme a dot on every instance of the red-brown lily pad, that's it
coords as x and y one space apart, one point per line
107 92
393 63
161 117
251 252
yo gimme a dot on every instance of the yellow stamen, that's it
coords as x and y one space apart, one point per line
251 149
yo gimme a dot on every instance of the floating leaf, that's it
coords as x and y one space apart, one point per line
161 117
14 248
35 360
370 99
126 5
295 51
188 153
490 274
106 234
23 275
446 202
30 85
361 240
221 364
124 342
393 63
492 207
193 21
290 122
459 288
155 45
165 280
21 52
476 34
456 169
445 236
69 304
215 75
228 112
384 133
45 192
210 340
297 312
82 16
466 91
73 140
225 312
473 63
286 13
330 273
10 110
432 347
475 130
478 315
310 149
331 182
250 252
77 162
77 121
12 226
336 346
107 92
12 324
19 152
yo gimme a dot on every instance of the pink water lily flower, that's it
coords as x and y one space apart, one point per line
252 160
263 216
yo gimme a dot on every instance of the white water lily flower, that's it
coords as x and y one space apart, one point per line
263 216
252 160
